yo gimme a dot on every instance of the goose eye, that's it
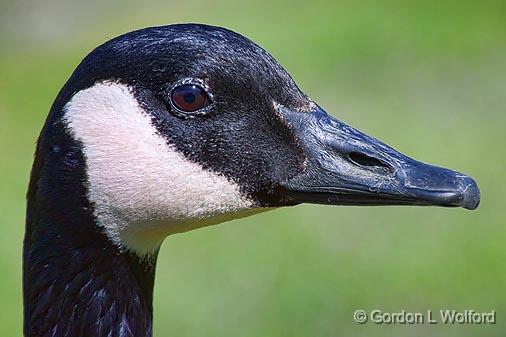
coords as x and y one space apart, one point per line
189 98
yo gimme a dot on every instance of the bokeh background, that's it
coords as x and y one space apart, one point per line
427 77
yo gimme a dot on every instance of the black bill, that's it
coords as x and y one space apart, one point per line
347 167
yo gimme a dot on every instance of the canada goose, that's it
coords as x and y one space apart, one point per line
168 129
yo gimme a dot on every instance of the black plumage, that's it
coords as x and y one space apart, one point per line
77 283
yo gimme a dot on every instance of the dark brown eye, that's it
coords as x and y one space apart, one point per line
189 98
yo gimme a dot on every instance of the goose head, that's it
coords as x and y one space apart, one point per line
189 125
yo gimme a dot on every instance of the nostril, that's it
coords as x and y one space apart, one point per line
364 160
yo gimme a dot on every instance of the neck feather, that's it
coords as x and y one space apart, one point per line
75 282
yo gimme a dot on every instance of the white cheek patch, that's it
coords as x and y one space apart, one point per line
141 187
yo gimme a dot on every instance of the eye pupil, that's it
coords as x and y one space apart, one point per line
189 98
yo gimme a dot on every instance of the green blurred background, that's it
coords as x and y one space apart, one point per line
428 78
